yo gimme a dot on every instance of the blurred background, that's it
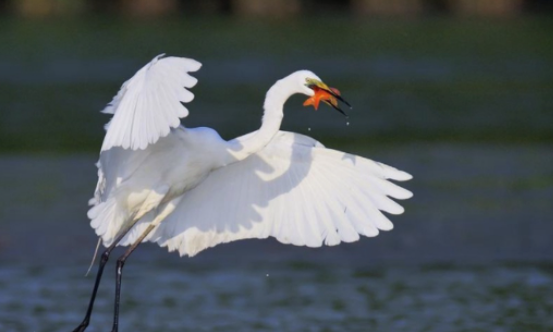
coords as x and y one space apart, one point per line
458 93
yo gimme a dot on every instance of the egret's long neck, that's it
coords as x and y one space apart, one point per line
277 95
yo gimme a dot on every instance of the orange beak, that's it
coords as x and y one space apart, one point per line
329 96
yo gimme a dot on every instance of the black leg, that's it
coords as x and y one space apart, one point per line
119 275
103 260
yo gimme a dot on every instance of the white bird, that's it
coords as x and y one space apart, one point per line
187 189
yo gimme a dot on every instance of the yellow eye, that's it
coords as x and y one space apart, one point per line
312 82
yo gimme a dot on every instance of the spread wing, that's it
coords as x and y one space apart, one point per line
294 189
150 103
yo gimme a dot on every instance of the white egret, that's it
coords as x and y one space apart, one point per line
187 189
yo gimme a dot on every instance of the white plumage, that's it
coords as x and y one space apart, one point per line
149 104
294 190
188 189
200 190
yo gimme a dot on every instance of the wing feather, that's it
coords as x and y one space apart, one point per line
294 190
338 196
150 103
329 232
315 233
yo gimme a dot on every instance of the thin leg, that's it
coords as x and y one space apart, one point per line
167 209
119 274
103 260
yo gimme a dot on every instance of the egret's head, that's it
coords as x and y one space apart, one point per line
318 91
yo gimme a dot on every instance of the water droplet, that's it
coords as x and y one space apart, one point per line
347 123
267 274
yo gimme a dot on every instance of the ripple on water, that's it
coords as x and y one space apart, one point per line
293 298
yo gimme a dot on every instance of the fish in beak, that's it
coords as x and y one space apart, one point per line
326 94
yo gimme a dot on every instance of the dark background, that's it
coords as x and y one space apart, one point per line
457 93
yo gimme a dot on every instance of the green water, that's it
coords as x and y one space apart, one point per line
432 80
